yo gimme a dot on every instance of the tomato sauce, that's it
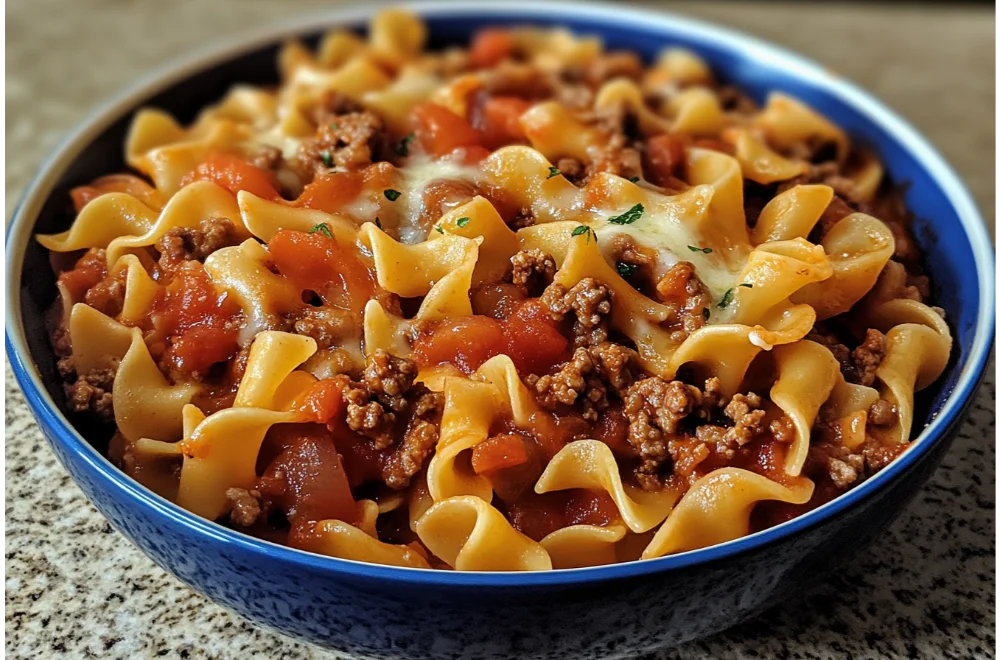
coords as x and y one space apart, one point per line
319 263
234 174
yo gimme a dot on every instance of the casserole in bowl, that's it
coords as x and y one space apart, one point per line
504 583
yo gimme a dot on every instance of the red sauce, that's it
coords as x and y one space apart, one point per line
440 131
88 271
499 451
537 516
489 47
497 118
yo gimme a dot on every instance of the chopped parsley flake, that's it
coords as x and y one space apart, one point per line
403 148
625 269
461 222
584 229
327 158
634 179
695 248
553 171
706 313
727 298
628 217
747 285
334 126
439 229
391 195
322 228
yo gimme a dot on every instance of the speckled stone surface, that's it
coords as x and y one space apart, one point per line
75 588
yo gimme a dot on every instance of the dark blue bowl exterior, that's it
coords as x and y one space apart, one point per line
623 613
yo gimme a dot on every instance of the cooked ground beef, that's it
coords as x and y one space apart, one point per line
845 467
682 290
748 418
385 392
327 325
574 170
418 443
108 295
91 392
860 365
266 158
348 141
589 301
244 506
654 408
531 267
333 104
182 244
783 429
882 413
441 196
591 374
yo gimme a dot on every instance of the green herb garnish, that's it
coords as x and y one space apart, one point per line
695 248
628 217
327 158
322 228
634 179
403 148
625 269
461 222
391 195
747 285
334 126
584 229
553 171
439 229
727 298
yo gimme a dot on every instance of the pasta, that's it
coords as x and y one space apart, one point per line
524 305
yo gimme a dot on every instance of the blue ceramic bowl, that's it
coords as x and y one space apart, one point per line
595 612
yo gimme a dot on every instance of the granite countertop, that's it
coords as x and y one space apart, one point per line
74 587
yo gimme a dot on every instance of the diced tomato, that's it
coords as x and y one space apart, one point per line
323 402
234 174
330 192
440 131
489 47
197 319
663 159
363 463
590 507
500 451
307 480
496 117
198 348
88 271
533 340
612 430
319 263
465 342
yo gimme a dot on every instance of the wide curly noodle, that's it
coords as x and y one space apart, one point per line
518 306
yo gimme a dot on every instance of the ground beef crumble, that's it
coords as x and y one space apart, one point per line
530 267
859 365
682 290
347 141
182 244
244 506
383 396
589 301
91 392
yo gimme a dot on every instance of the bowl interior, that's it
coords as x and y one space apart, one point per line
956 249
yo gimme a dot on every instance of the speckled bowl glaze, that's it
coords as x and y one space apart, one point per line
607 611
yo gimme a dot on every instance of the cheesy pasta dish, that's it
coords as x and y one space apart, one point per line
525 305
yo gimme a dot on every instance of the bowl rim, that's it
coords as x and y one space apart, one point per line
48 415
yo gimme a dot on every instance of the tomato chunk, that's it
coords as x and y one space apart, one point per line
330 192
533 340
465 342
440 131
323 402
497 118
489 47
500 451
234 174
319 263
126 183
307 480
